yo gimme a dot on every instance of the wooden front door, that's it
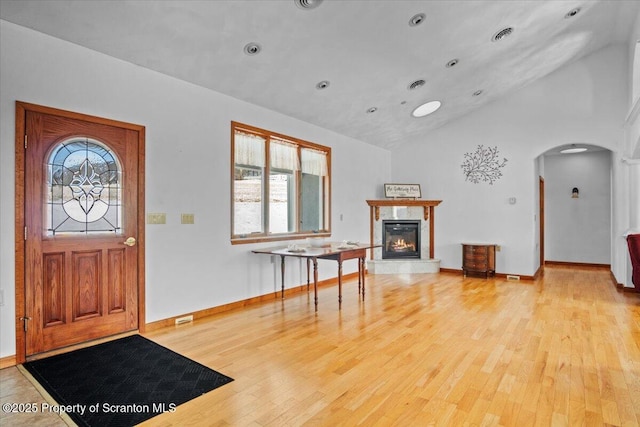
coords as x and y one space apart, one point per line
83 228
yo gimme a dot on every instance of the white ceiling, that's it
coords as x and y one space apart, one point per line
366 50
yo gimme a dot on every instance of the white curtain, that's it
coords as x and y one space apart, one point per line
314 162
249 149
283 155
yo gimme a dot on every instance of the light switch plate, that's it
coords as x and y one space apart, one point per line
156 218
188 218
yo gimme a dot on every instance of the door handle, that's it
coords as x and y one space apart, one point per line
131 241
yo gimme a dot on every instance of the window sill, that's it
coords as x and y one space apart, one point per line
276 238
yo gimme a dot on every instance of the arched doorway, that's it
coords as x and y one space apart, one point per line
575 196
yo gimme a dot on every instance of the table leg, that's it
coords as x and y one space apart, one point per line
282 273
339 283
359 274
315 282
307 274
361 268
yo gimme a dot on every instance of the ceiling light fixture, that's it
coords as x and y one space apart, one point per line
417 19
572 13
452 63
426 108
505 32
372 110
252 48
416 84
573 149
323 85
307 4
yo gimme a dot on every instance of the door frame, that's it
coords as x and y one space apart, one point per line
20 198
541 218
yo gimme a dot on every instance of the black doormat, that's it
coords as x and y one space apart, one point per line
122 382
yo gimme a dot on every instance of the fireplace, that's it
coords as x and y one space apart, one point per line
392 211
400 239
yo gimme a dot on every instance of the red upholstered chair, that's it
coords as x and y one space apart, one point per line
633 240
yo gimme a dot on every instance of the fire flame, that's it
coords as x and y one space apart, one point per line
400 244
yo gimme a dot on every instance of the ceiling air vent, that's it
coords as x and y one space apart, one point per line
416 84
307 4
452 63
505 32
252 48
572 13
417 19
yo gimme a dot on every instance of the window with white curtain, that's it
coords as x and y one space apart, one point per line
280 186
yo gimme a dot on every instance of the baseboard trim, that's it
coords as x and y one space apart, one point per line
8 361
578 264
539 272
620 287
500 275
522 277
171 321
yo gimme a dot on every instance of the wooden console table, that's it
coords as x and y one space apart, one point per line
427 205
332 251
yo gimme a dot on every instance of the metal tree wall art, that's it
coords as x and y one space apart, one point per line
483 165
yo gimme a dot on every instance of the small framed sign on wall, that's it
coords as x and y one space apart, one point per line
402 191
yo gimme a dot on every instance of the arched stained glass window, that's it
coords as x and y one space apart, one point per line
84 193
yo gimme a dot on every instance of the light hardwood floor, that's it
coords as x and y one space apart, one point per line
422 349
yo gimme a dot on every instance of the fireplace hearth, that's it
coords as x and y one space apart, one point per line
400 239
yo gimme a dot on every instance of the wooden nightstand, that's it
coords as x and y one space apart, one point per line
479 258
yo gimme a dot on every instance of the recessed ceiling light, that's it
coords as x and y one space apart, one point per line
416 84
452 63
572 13
573 149
417 19
426 108
372 110
252 48
323 84
478 92
307 4
502 34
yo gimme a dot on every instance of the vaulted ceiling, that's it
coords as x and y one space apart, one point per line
356 67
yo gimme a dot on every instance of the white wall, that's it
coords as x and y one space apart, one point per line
585 101
578 229
188 267
630 168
